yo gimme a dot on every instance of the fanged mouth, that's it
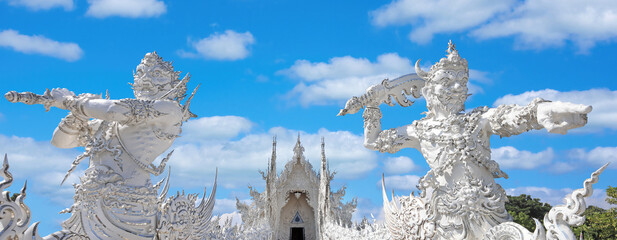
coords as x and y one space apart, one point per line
145 89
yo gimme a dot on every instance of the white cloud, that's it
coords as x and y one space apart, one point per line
224 206
48 164
36 5
401 182
476 78
335 81
480 76
555 196
511 158
543 23
216 127
342 77
37 44
235 217
603 102
598 156
126 8
229 45
441 16
399 165
533 23
238 158
341 67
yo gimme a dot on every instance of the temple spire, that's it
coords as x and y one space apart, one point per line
298 150
323 157
324 189
272 169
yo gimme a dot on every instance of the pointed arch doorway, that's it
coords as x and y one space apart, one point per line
298 218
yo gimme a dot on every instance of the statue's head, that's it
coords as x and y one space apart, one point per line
156 79
445 88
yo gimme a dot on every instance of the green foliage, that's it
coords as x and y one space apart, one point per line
611 193
524 209
599 223
15 195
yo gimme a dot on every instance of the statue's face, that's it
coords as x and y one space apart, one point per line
151 81
447 91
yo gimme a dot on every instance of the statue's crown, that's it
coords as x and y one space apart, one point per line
153 59
453 61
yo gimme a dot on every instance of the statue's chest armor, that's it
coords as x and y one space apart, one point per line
147 139
453 138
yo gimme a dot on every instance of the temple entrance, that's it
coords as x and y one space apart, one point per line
297 218
296 233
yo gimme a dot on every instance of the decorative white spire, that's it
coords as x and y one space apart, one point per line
273 158
324 189
298 150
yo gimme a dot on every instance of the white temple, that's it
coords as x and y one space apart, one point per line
297 203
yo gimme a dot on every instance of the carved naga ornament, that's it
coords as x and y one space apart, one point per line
458 198
115 198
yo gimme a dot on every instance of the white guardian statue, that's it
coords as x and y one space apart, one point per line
459 198
122 138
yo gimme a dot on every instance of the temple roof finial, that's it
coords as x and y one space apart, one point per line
298 149
451 47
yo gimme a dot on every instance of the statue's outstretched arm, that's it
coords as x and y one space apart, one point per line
391 140
556 117
125 111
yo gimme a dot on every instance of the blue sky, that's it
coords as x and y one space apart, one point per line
286 67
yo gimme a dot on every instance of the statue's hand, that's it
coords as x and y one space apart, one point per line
59 95
559 117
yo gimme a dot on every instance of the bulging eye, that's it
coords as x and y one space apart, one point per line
157 73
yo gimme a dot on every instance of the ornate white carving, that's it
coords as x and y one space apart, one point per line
364 230
122 138
459 198
180 219
14 214
407 217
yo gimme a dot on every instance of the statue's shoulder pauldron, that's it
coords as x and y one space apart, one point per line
139 110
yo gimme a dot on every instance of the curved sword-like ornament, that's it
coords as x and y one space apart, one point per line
398 88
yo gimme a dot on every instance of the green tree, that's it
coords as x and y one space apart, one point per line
524 209
611 195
